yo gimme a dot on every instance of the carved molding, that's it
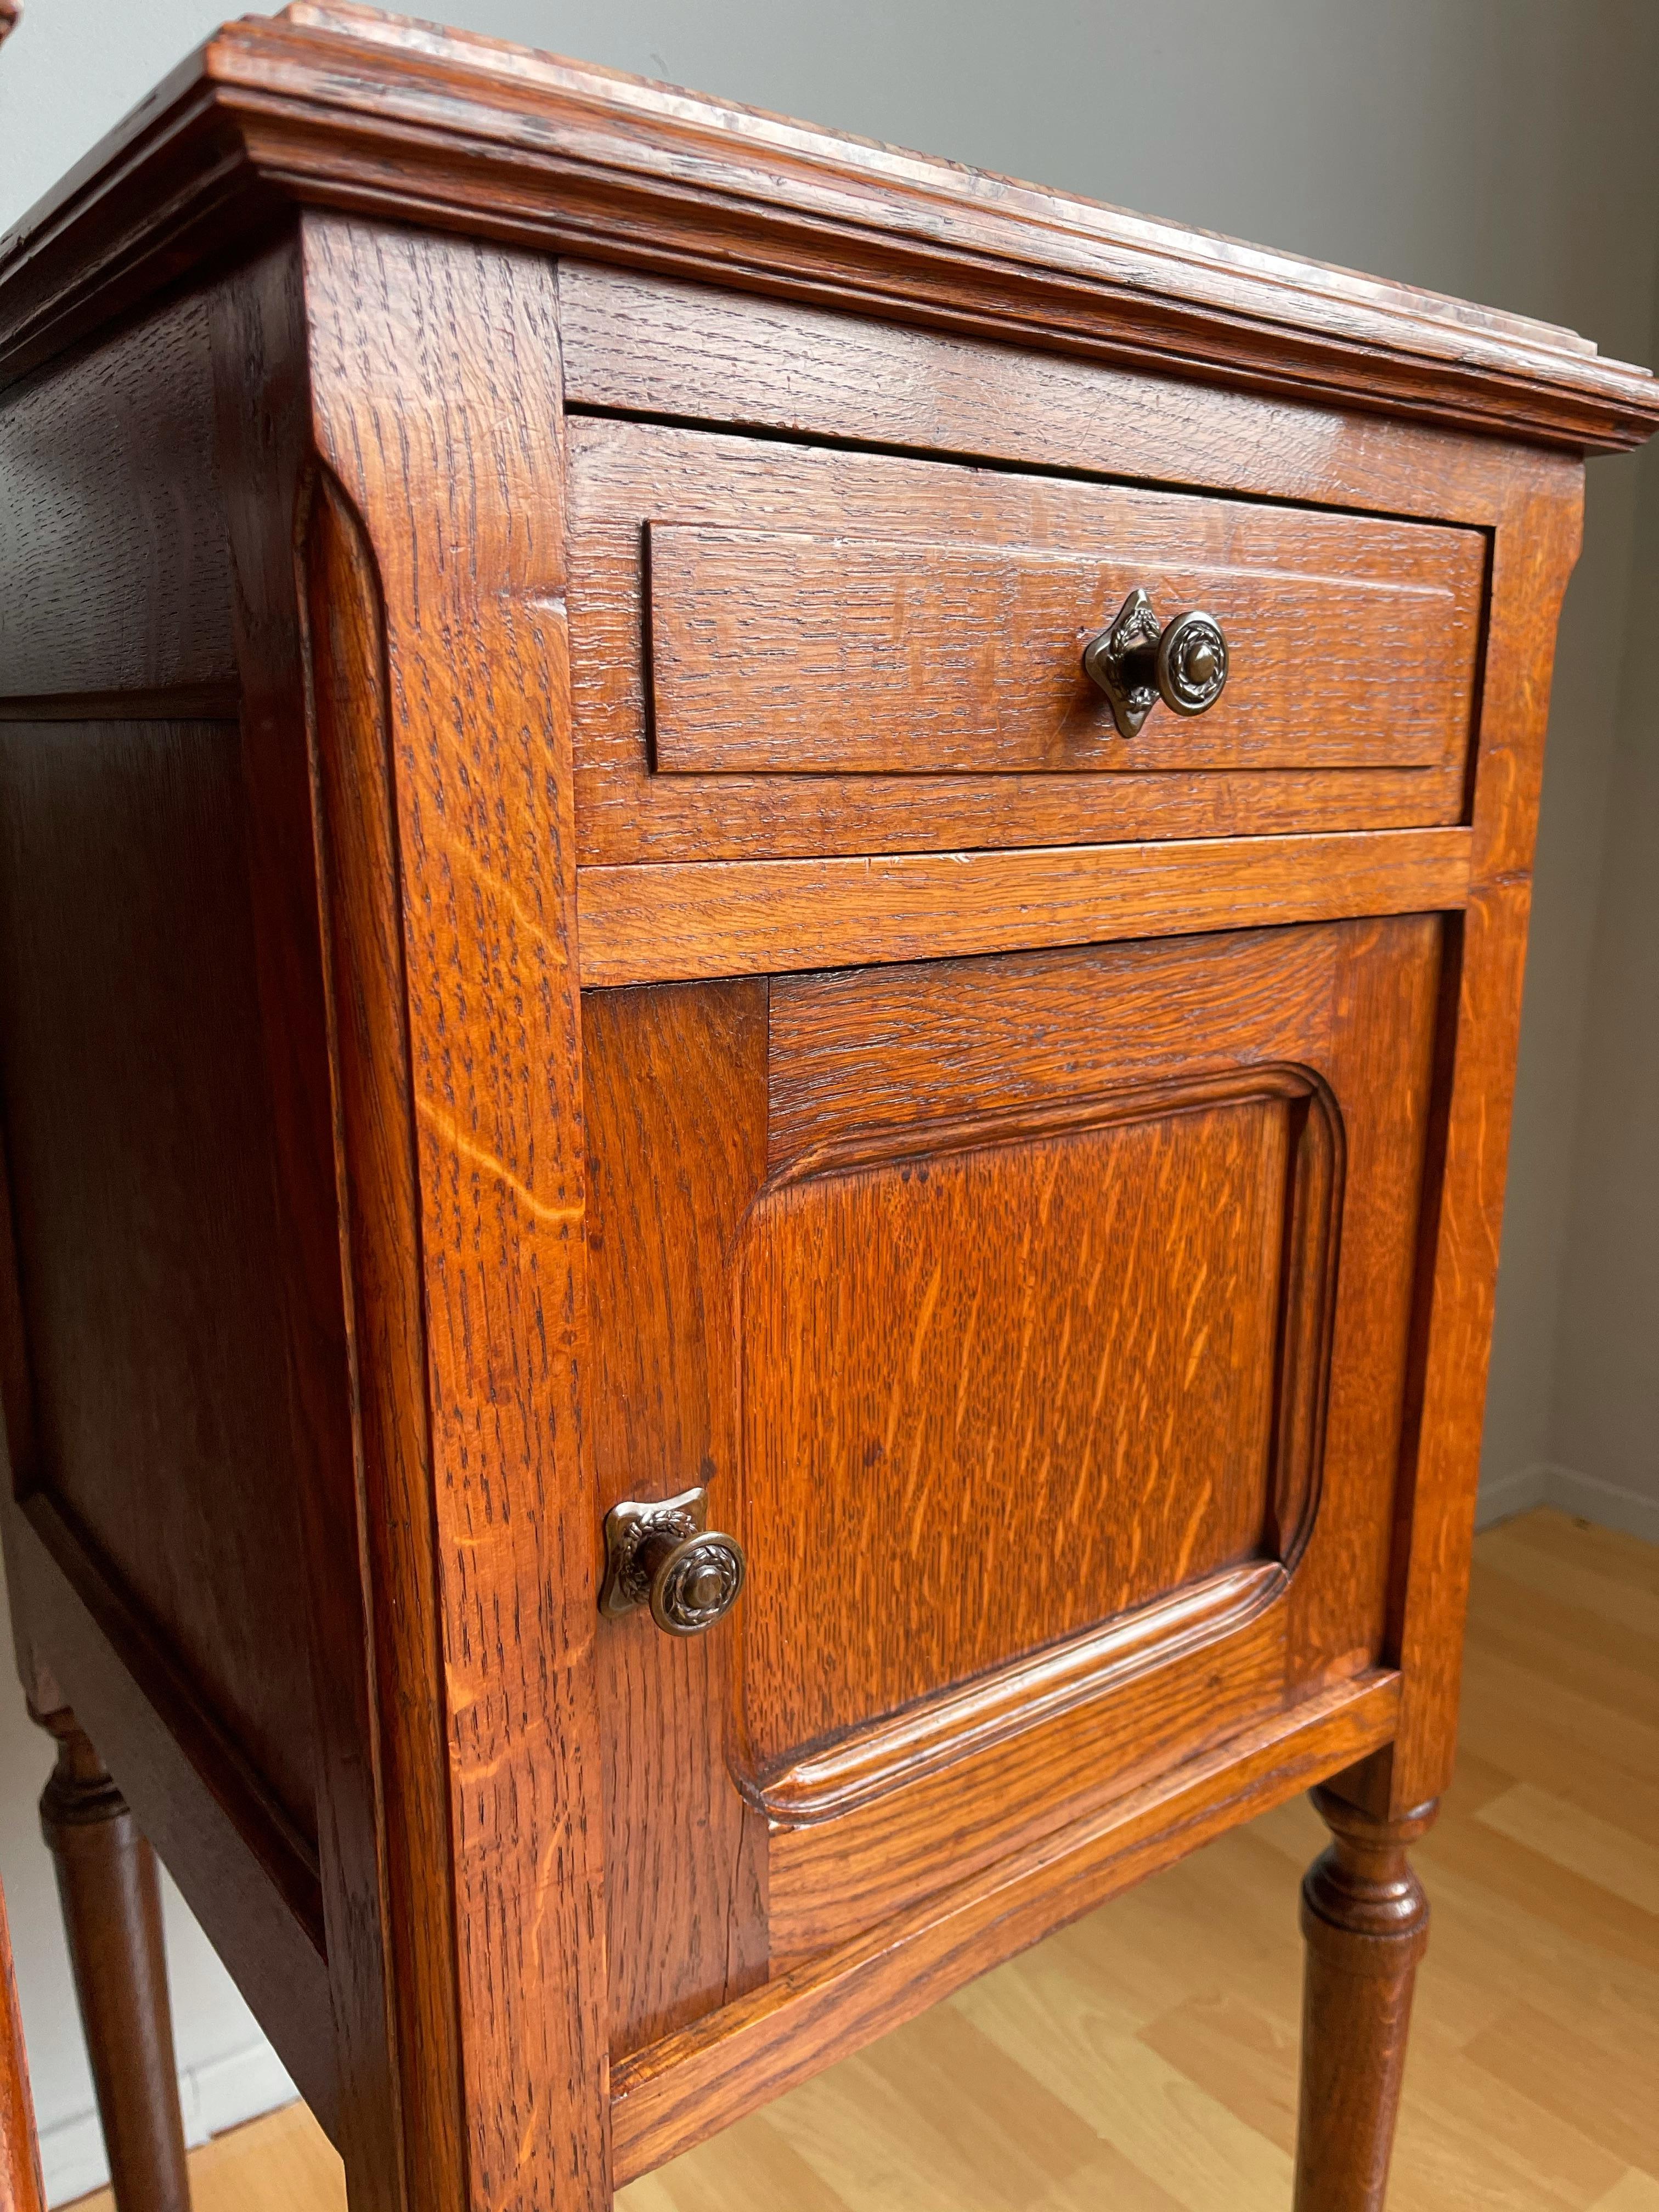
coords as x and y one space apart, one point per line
332 107
1027 1694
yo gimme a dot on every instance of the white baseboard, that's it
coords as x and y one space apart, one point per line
1586 1497
1608 1505
1509 1494
220 2093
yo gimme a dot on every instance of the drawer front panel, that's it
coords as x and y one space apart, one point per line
1038 1324
779 653
780 650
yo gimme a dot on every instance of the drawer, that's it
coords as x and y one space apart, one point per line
1038 1324
782 649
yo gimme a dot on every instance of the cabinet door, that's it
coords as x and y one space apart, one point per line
1039 1324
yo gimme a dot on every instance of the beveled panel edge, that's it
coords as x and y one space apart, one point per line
675 2092
1315 1188
1022 1694
343 106
830 1882
878 1143
690 921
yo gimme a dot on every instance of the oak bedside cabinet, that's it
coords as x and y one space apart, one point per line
760 927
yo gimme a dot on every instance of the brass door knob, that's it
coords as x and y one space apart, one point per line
664 1555
1135 663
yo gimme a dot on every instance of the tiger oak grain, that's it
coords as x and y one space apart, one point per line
572 930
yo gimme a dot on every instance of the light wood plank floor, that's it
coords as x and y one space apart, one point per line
1144 2059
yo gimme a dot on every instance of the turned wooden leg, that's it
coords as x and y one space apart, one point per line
113 1911
1365 1921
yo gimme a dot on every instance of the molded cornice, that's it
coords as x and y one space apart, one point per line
338 105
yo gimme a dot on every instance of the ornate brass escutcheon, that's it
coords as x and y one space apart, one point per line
666 1556
1136 662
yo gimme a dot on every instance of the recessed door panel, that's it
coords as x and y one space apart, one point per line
997 1392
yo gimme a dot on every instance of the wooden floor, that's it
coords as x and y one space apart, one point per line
1143 2060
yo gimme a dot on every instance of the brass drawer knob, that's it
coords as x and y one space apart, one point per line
664 1555
1135 663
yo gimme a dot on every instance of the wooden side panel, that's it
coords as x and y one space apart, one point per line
263 410
156 1568
443 738
676 1094
189 1798
111 526
1071 779
140 1143
830 648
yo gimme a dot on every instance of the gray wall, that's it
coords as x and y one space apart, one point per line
1603 1459
1500 148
